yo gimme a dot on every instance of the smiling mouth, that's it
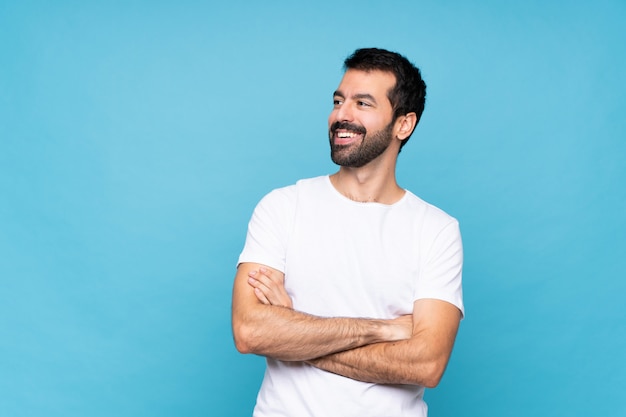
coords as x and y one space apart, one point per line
345 133
343 137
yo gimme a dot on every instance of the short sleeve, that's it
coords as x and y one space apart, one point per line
269 228
441 268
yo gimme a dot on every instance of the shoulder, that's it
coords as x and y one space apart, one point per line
306 185
313 184
288 195
431 214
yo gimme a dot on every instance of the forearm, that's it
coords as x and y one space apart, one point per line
420 360
384 363
282 333
290 335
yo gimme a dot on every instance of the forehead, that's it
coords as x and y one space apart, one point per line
376 83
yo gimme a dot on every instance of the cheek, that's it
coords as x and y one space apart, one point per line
380 123
372 124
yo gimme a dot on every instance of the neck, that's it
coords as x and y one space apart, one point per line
368 184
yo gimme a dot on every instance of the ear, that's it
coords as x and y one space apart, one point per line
405 125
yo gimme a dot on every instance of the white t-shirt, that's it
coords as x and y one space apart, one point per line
343 258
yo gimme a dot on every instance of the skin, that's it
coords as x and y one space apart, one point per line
361 99
412 349
278 331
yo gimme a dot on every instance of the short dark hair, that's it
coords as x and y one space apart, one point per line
409 93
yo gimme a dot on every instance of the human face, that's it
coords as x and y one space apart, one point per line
361 126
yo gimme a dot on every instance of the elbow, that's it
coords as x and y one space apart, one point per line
432 381
242 346
434 373
243 337
250 332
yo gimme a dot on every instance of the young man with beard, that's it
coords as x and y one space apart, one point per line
348 284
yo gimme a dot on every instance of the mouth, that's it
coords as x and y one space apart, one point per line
344 133
344 137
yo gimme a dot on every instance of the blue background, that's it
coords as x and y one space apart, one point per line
137 136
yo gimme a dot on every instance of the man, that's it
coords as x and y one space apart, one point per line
348 284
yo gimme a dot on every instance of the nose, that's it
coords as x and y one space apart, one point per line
343 113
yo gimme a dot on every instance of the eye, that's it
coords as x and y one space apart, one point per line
337 102
363 104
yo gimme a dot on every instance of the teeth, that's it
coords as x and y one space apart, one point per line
346 134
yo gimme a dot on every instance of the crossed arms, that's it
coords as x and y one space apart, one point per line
412 349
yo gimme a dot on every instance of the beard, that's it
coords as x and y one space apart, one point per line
357 155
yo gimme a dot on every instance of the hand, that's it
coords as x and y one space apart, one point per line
402 327
269 288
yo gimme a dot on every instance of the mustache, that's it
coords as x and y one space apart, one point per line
347 126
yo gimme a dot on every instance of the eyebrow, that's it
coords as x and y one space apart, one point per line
362 96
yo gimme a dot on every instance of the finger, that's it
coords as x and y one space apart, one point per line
268 284
273 292
264 293
267 277
272 296
259 285
259 276
261 297
256 284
